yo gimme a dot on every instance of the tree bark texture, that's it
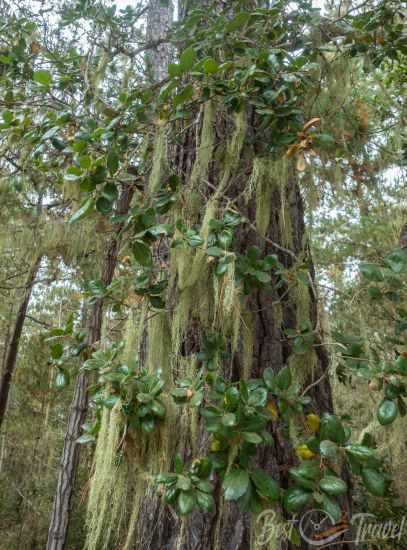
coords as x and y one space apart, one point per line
58 530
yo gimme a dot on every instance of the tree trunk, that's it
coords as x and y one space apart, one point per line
267 316
12 350
58 530
275 225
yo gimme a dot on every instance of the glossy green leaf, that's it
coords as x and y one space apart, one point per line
85 210
374 482
142 253
235 484
387 412
265 484
333 485
296 499
187 58
42 77
186 502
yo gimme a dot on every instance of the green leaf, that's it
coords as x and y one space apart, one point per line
186 502
104 205
374 482
235 484
266 486
210 65
174 70
194 239
179 466
283 378
295 499
85 162
184 483
328 449
301 480
262 277
158 408
61 380
183 96
387 412
237 22
333 485
148 424
42 77
332 428
205 486
57 350
361 453
331 508
86 209
401 364
8 117
396 260
112 161
142 254
371 272
269 378
110 192
111 401
187 58
215 251
252 437
229 420
205 501
170 495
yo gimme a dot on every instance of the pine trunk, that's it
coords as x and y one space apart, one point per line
58 530
13 345
220 162
278 214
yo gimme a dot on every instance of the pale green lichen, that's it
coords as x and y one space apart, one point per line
159 160
108 489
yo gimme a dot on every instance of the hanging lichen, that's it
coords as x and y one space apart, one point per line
159 346
204 152
107 497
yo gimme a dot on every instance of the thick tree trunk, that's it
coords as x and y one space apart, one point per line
13 345
267 315
58 530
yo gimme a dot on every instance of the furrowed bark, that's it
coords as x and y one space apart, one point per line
58 530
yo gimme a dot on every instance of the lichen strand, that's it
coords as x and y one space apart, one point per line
108 489
199 174
159 351
233 150
302 365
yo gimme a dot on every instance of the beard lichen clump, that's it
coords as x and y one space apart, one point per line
108 490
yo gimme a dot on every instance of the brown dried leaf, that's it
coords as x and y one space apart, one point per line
312 122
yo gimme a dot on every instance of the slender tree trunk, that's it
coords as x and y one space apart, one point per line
12 349
58 530
159 20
